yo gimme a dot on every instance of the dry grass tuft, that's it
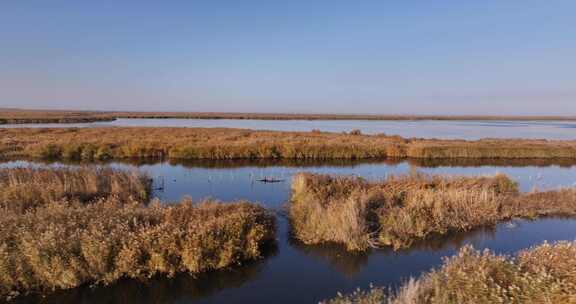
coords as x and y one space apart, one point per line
400 210
25 188
543 274
62 245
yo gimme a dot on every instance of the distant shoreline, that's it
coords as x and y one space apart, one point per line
26 116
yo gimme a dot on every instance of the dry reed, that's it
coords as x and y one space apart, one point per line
32 115
543 274
22 116
400 210
62 228
217 143
62 245
25 188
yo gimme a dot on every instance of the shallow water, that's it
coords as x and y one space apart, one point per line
295 273
471 130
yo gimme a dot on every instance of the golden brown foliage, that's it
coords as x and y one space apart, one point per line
21 116
62 245
25 188
401 210
543 274
29 116
218 143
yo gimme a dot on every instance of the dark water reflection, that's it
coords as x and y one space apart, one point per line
293 272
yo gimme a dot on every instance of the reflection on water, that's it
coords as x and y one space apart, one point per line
297 273
445 129
351 264
438 243
345 262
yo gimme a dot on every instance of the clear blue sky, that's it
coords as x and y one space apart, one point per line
421 57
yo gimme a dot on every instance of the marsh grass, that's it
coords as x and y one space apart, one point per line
22 116
62 228
25 188
542 274
65 244
217 143
32 115
403 209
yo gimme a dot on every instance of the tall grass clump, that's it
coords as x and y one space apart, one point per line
403 209
25 188
542 274
65 244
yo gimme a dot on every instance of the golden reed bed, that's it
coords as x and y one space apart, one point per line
403 209
217 143
62 228
24 188
22 116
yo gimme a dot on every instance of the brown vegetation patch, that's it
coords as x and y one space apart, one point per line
62 228
400 210
8 113
218 143
62 245
543 274
22 116
25 188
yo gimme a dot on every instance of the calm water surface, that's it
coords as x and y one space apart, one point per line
417 128
295 273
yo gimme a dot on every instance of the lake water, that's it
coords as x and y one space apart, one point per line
471 130
292 272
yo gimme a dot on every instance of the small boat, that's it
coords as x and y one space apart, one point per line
270 180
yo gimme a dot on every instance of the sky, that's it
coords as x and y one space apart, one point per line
515 57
